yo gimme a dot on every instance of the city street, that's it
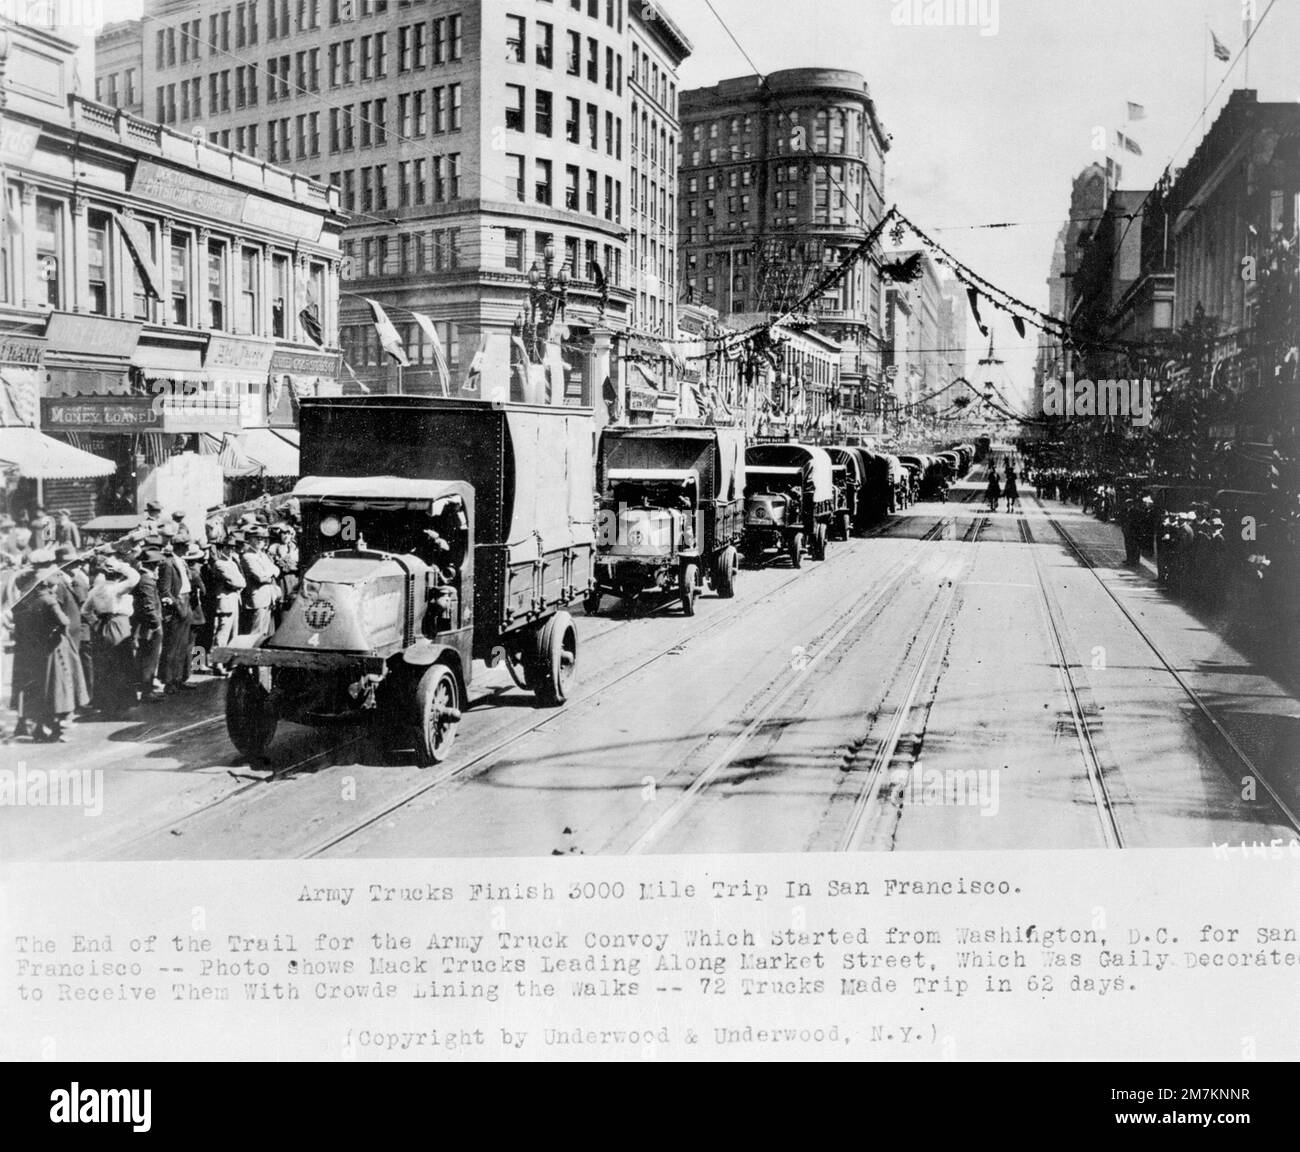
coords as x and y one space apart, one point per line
958 680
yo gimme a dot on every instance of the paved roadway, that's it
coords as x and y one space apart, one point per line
958 680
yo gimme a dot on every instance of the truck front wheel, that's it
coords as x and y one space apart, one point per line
724 576
250 715
552 659
437 703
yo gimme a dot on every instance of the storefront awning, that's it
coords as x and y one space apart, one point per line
274 449
41 457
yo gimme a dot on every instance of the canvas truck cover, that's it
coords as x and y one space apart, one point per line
717 455
797 456
530 466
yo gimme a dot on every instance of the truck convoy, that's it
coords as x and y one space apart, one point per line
435 532
672 512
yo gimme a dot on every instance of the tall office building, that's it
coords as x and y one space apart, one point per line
483 149
780 180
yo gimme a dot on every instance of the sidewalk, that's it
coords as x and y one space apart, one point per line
1224 656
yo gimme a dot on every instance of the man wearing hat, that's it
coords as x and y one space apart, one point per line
152 518
227 582
196 558
174 589
42 531
47 674
261 590
65 531
180 528
148 622
112 605
73 570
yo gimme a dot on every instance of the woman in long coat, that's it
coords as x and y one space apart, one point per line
52 686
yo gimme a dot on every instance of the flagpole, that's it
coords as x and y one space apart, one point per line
1206 49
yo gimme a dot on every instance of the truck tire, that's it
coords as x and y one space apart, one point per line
591 602
552 659
724 579
250 715
437 714
817 550
690 581
843 525
796 550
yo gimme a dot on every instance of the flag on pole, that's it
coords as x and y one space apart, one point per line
388 337
439 358
355 378
1136 111
1220 49
1129 144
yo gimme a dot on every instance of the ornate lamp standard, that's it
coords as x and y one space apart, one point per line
548 296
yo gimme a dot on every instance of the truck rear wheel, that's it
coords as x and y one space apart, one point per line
250 715
437 704
551 658
690 580
724 579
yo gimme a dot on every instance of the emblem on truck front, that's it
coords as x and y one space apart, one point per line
318 614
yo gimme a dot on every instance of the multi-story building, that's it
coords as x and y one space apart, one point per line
1087 202
953 327
158 294
917 349
118 66
781 178
484 150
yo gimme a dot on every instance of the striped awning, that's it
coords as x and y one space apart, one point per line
41 457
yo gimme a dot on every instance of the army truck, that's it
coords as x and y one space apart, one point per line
790 498
672 512
435 533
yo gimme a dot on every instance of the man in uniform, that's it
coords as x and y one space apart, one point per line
262 587
228 582
148 621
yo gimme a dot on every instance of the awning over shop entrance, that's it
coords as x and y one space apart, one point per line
275 449
41 457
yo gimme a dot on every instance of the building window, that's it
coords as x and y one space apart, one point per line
514 108
573 123
280 295
515 169
49 249
572 175
99 261
249 270
542 189
573 57
454 92
141 302
180 278
542 101
593 61
516 48
545 44
216 286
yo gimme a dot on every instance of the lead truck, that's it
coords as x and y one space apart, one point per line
435 533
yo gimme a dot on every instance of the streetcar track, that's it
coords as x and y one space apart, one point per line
866 803
1224 735
1084 719
689 796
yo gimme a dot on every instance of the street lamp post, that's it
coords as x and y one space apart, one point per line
548 296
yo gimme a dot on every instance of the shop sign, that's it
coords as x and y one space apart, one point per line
178 189
98 336
304 363
242 355
642 400
18 141
24 350
283 219
102 414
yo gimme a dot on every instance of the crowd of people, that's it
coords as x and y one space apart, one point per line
97 632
